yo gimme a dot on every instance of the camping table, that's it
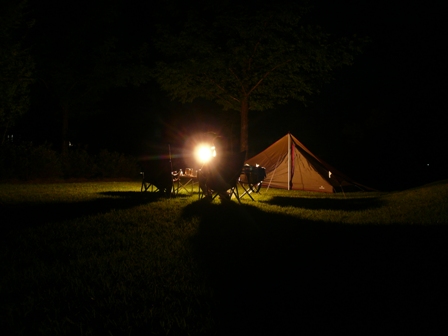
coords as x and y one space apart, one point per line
184 180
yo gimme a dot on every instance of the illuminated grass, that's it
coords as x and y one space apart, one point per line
103 258
424 205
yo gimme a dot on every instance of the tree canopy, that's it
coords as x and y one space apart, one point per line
16 64
248 57
83 54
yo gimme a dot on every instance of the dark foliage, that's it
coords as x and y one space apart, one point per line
26 162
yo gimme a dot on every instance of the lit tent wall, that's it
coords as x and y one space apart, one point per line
290 165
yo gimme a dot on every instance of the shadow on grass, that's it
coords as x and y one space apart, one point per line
18 216
350 204
274 274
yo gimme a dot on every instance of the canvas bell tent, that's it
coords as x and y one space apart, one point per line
290 165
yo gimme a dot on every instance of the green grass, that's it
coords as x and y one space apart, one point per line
105 259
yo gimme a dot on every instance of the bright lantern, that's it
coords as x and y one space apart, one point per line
204 153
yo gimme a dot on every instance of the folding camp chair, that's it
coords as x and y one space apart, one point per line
146 184
157 175
221 177
251 179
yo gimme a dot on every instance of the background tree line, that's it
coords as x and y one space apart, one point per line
16 64
243 57
102 74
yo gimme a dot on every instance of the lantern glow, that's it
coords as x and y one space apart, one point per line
205 153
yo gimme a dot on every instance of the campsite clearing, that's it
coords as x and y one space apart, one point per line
99 258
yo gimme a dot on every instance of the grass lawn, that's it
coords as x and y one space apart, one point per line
106 259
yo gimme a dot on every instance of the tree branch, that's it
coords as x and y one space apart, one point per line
257 45
249 63
222 89
266 75
243 89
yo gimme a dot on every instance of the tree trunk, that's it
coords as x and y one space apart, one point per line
4 136
64 129
244 143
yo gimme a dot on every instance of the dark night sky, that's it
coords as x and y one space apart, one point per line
380 120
